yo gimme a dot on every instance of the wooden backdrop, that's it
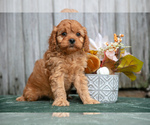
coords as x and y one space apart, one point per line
24 34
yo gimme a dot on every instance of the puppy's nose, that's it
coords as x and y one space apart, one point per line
72 41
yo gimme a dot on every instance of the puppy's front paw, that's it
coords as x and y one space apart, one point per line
91 101
60 102
21 98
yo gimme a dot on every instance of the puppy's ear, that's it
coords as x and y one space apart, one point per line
86 41
52 40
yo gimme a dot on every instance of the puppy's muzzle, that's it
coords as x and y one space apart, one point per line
72 41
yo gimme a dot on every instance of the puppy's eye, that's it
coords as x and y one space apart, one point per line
64 34
78 34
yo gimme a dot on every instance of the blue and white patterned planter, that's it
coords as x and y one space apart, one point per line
103 88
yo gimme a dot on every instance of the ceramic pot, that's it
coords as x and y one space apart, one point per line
103 88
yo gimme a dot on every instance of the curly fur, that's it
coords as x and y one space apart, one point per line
62 66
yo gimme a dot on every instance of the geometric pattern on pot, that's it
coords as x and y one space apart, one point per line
103 88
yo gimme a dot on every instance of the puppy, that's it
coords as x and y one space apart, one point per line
62 66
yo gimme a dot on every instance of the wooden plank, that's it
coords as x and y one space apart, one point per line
15 54
137 6
30 6
19 62
77 16
147 6
121 6
72 5
140 45
11 6
45 6
58 17
2 6
148 25
107 6
26 6
77 5
14 5
111 23
122 27
107 25
11 32
31 39
60 5
92 19
107 19
138 34
3 56
92 24
45 29
91 6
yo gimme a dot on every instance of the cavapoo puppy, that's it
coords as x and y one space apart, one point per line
62 66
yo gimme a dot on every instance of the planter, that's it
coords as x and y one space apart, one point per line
103 88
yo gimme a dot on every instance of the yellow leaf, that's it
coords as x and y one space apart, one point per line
128 65
122 52
94 52
130 75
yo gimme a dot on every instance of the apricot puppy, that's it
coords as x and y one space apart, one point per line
62 66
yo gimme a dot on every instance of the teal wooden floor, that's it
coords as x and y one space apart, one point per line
124 111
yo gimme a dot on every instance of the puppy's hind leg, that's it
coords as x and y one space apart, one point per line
30 94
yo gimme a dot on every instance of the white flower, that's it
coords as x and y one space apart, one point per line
98 45
103 71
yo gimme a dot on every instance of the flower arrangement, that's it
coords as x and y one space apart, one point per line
114 57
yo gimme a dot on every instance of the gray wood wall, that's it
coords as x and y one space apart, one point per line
25 29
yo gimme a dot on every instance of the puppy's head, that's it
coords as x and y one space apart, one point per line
69 36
